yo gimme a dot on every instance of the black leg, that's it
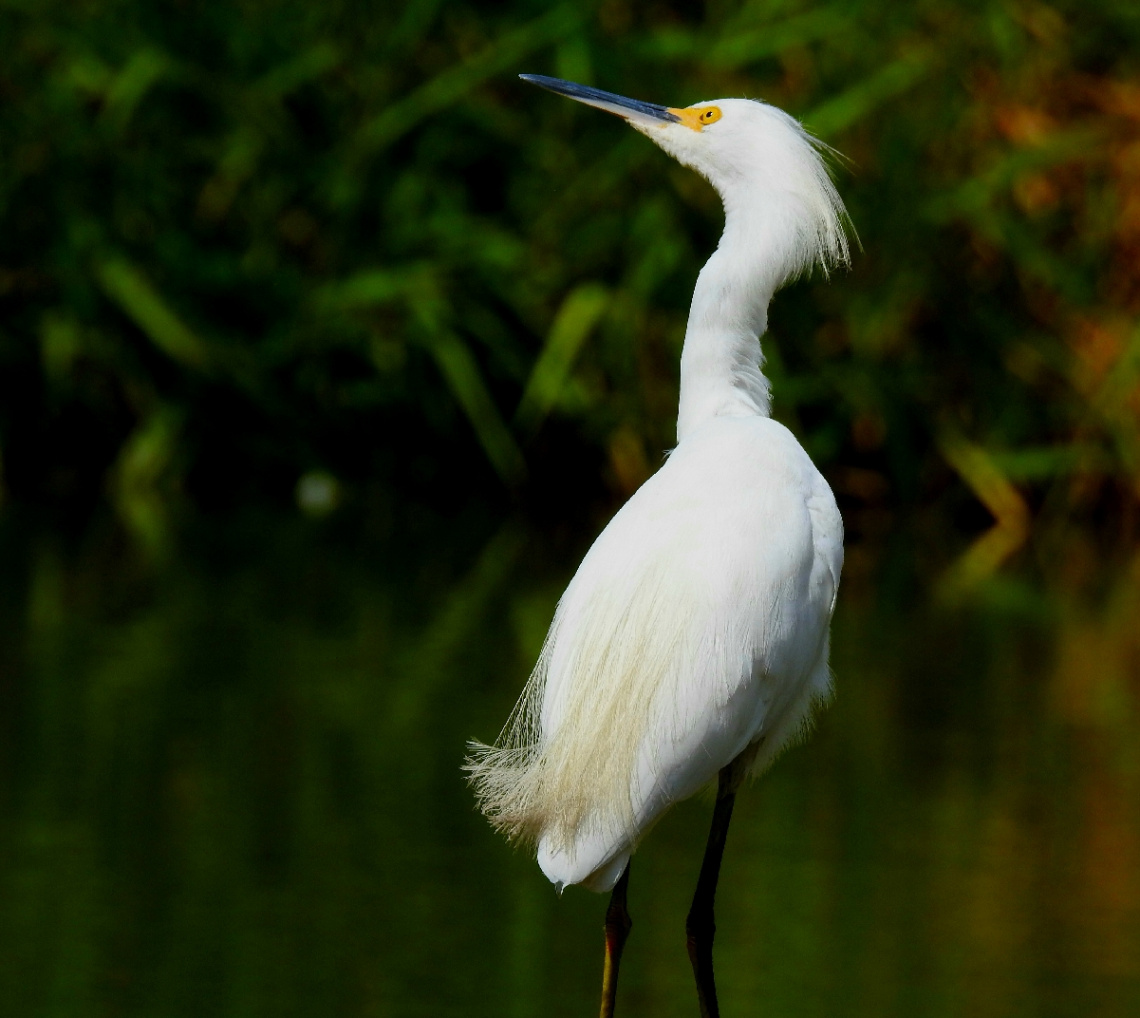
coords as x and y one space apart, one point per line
617 929
700 927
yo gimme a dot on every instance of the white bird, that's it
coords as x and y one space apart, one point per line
692 642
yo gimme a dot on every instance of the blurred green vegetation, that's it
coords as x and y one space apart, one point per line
247 243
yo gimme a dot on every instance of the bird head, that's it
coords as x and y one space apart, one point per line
761 161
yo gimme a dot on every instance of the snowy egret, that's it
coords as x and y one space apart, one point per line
692 643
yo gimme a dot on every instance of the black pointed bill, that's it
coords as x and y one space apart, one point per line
630 109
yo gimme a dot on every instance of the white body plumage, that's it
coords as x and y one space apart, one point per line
695 631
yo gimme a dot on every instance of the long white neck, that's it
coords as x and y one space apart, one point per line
721 359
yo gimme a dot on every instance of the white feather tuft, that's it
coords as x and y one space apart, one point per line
562 767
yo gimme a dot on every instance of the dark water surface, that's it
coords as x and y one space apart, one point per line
230 786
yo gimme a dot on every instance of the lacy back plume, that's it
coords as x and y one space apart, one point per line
601 681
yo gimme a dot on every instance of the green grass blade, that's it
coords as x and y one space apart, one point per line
572 326
142 303
453 84
852 105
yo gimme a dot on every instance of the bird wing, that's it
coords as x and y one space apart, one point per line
827 540
692 629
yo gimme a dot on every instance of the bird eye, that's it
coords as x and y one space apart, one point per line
709 116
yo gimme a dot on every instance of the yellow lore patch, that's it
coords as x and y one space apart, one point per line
697 117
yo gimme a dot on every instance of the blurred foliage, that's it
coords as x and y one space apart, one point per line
244 243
